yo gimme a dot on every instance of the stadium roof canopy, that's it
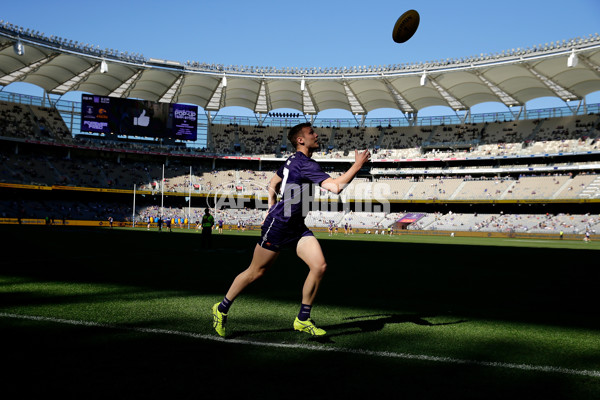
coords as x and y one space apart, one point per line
569 70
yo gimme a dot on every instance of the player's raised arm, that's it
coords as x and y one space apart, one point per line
336 185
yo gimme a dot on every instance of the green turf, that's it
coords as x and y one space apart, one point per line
492 303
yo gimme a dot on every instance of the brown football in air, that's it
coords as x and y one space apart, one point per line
406 26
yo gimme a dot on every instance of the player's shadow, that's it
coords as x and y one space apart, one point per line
357 325
373 323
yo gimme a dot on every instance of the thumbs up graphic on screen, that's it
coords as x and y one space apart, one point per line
142 120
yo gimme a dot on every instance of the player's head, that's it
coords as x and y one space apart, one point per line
303 134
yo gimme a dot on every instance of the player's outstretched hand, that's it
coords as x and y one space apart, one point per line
362 157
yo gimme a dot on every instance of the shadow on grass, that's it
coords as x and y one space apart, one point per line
356 325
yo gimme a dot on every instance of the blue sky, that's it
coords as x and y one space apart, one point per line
310 33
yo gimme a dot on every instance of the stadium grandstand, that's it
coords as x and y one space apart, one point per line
522 171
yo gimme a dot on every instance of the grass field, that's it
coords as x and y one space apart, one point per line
99 312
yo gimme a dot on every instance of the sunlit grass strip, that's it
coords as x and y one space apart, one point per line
308 347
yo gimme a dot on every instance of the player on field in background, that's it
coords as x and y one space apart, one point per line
284 225
207 224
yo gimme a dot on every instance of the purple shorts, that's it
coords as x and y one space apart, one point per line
276 235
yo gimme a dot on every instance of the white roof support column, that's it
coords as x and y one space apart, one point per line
519 111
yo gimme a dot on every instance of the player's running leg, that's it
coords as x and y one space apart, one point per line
261 261
309 250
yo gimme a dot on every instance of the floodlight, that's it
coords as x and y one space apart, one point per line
572 60
19 48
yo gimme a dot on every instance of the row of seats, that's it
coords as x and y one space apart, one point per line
519 223
47 170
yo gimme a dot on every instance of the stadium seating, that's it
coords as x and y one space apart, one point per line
58 159
42 169
32 122
224 139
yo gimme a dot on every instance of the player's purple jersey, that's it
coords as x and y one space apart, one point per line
298 174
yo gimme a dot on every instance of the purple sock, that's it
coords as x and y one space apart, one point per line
225 304
304 312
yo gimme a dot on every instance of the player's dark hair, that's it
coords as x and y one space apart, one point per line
295 132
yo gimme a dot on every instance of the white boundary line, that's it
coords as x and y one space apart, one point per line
383 354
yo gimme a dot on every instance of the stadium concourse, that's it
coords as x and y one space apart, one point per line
517 171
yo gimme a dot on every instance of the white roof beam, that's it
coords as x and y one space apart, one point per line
262 102
126 86
593 66
558 90
172 91
308 105
355 105
75 81
21 73
451 100
504 97
400 101
217 100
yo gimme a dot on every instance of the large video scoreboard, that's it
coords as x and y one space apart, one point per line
102 114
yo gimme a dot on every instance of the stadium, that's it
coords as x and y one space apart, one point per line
465 183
